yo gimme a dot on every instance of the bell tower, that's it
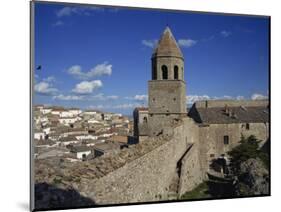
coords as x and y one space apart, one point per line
167 95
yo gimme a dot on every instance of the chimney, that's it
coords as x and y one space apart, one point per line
226 109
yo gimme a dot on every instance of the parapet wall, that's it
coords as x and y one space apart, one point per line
149 178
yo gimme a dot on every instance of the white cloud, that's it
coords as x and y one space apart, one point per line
240 98
186 42
58 23
97 71
68 11
257 96
45 88
87 87
68 97
194 98
119 106
127 106
225 33
149 43
49 79
102 97
98 97
141 97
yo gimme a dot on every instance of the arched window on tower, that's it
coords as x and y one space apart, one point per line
176 72
182 76
164 72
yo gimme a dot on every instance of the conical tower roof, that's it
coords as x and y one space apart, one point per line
167 45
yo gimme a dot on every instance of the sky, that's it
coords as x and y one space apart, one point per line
100 58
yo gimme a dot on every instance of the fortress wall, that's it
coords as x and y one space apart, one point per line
231 103
211 138
191 172
149 177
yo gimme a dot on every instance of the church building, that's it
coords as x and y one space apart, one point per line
219 123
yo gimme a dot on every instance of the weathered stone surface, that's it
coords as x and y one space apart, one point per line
143 172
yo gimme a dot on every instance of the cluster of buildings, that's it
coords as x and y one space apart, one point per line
76 135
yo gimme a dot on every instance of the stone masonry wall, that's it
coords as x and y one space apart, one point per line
191 172
212 143
149 177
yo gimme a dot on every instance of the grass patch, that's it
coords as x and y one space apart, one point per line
201 191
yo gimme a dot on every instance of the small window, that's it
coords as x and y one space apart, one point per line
226 140
164 72
144 119
212 155
247 126
176 72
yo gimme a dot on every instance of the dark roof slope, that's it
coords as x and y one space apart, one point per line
218 115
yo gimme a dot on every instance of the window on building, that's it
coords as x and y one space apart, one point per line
226 139
176 72
247 126
144 119
164 72
84 157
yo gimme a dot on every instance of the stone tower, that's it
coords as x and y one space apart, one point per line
167 94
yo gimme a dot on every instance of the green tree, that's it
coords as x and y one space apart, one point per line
248 148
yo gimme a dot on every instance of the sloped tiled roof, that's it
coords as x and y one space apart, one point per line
218 115
167 45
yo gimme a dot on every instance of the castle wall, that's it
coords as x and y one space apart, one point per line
149 177
211 138
191 172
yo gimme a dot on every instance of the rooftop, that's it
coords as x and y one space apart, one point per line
227 112
167 45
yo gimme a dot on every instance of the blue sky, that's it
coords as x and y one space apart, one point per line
99 58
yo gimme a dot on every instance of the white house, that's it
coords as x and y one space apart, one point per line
46 110
98 116
75 111
66 114
69 120
93 121
64 141
81 151
47 130
90 112
40 135
86 137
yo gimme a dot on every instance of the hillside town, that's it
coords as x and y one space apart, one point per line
75 135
